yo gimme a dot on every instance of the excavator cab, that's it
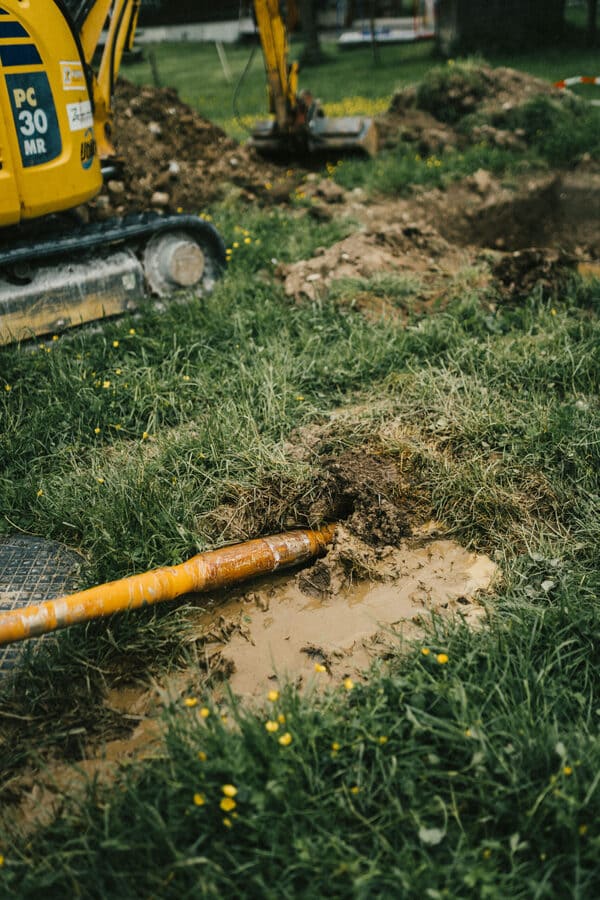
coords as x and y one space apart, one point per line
48 158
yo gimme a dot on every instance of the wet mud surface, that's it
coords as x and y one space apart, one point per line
354 605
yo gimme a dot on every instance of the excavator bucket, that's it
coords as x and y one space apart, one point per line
346 134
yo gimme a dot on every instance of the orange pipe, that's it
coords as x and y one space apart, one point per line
205 572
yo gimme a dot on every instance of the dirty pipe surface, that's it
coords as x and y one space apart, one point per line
204 572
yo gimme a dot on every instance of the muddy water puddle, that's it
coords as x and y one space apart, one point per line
279 630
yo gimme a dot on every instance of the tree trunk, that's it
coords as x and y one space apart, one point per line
312 53
592 26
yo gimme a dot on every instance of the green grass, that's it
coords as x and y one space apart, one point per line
169 432
487 784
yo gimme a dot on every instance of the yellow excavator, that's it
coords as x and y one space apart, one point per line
299 124
55 144
55 138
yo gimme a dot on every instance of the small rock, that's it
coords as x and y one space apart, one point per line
330 191
103 207
482 181
115 187
160 199
155 129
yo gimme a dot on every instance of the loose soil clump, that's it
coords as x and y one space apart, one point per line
173 159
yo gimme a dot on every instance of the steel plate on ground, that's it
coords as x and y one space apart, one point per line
32 570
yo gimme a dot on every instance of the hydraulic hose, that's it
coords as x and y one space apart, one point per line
204 572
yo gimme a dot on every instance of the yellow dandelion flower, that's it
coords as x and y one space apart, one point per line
552 312
273 696
247 240
271 726
205 712
40 493
348 684
1 860
355 789
486 853
118 371
186 377
335 746
199 799
383 739
118 427
227 804
96 430
568 770
7 388
582 830
180 209
202 756
54 337
235 245
191 701
106 384
299 398
468 733
442 658
229 790
227 823
132 331
100 480
115 344
425 651
319 667
281 719
145 436
286 739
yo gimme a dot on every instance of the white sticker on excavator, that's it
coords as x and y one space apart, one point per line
80 115
73 78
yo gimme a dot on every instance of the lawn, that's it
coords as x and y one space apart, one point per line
466 765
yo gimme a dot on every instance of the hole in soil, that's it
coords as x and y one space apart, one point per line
562 212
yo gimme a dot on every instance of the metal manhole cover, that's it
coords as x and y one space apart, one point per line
32 570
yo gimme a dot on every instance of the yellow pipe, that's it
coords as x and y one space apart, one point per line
204 572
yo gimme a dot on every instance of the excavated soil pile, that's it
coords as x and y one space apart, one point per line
174 159
433 115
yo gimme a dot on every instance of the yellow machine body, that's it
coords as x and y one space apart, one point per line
55 129
48 156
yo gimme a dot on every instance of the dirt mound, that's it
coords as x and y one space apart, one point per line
174 159
404 248
452 92
434 114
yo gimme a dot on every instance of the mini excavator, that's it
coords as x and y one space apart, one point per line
299 125
55 139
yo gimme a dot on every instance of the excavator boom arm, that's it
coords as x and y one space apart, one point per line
282 81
